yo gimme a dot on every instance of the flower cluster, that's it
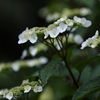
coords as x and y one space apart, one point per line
45 13
92 42
59 27
25 87
16 65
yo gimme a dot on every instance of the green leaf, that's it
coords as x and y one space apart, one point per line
86 74
56 56
87 89
61 72
81 65
69 52
46 72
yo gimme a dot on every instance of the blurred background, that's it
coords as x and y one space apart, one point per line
16 15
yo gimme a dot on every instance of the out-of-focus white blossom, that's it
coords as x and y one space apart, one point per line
43 60
78 39
27 88
24 54
85 11
25 81
62 27
37 88
53 33
9 96
15 66
33 51
31 63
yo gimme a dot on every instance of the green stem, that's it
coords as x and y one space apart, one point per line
74 80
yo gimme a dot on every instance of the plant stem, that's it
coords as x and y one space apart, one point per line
74 80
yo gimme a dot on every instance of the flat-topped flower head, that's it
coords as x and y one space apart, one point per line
9 96
27 88
85 23
37 88
78 39
53 33
62 27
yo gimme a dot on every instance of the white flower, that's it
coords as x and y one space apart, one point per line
91 42
69 22
9 96
15 66
43 60
33 37
62 27
24 54
78 39
25 81
23 37
46 34
53 33
27 88
27 35
96 35
87 43
77 19
37 88
33 51
85 23
1 92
